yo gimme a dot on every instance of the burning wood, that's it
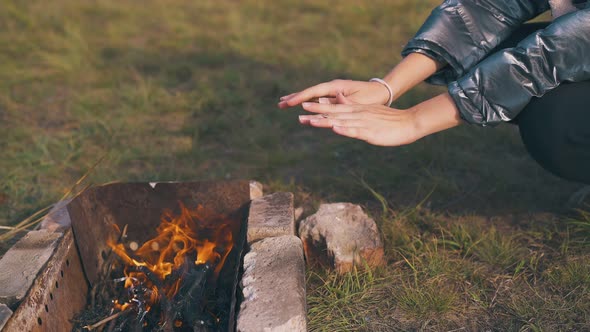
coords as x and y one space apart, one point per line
104 321
162 285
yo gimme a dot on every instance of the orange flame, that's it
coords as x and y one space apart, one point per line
190 238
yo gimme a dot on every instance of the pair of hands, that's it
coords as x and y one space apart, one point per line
355 109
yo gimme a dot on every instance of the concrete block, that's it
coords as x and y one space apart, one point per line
21 264
5 314
271 215
273 286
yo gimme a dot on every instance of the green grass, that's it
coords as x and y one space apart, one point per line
338 303
476 234
464 275
502 251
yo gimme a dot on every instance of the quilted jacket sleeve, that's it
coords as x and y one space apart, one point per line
462 32
499 87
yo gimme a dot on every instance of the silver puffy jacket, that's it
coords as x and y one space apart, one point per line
463 32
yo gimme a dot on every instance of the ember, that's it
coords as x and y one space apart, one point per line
162 284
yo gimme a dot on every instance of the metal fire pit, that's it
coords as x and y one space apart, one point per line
62 289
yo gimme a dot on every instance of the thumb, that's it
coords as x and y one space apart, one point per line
342 99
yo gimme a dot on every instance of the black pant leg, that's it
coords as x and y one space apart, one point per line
555 129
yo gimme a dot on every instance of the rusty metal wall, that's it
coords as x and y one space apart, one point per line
139 206
58 293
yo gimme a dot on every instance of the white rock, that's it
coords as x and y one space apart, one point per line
341 235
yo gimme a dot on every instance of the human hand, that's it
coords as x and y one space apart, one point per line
375 124
412 70
382 125
357 92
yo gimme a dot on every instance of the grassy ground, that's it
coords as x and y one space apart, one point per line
477 235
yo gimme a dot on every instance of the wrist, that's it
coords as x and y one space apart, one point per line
412 70
419 123
434 115
384 85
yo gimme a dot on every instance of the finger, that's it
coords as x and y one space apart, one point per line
285 98
316 91
328 108
341 99
333 116
324 100
329 123
304 120
288 96
283 104
352 132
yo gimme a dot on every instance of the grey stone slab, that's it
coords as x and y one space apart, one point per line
21 264
273 286
271 215
5 314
